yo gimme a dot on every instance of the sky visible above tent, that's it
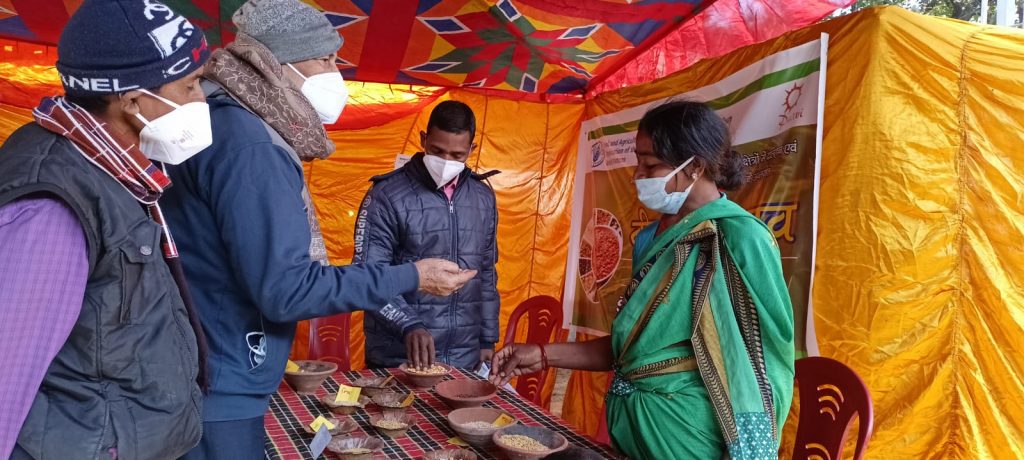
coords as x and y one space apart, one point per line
530 47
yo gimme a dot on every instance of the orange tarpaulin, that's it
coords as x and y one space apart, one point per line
532 144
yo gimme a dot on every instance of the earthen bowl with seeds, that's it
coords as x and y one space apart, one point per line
465 393
425 378
355 447
310 376
392 425
341 426
345 408
393 402
475 425
372 386
450 454
521 442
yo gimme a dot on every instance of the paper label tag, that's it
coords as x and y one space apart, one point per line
347 394
401 160
320 441
503 420
291 366
457 441
319 422
408 399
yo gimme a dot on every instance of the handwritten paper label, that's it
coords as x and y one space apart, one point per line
291 366
408 399
503 420
320 441
347 394
457 441
319 422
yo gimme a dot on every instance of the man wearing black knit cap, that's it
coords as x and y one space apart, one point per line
100 352
254 258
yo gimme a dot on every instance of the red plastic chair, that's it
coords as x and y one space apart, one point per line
544 319
329 340
831 395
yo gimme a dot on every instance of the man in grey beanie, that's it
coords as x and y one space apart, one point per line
250 241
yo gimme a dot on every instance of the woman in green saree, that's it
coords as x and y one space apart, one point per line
702 347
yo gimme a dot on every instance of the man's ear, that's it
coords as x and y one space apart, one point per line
129 102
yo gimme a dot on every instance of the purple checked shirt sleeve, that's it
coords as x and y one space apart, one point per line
43 272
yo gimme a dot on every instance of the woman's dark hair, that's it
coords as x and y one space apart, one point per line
453 117
680 129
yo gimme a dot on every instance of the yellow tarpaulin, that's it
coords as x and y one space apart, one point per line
919 283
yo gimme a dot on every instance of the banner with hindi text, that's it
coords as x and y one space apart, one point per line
773 108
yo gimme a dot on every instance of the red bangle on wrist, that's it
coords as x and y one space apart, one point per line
543 357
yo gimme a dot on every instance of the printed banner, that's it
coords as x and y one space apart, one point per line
773 108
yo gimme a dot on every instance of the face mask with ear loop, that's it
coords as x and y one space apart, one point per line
326 92
651 192
177 135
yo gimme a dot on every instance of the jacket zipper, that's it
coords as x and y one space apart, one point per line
455 258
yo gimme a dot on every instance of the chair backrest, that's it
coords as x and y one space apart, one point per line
544 318
329 340
831 396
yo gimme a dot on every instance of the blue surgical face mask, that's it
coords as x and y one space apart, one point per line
652 194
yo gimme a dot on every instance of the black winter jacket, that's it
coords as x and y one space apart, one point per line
404 218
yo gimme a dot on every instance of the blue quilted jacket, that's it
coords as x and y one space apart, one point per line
405 217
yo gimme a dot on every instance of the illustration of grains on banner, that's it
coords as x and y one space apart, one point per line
773 109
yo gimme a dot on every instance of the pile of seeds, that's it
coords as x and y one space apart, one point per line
479 425
523 442
356 451
432 370
391 424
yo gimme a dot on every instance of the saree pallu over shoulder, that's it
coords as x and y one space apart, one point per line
690 307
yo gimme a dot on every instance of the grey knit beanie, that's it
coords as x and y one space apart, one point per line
293 30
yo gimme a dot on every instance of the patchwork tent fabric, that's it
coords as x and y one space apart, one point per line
528 47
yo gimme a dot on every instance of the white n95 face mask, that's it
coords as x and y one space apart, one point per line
326 92
651 192
178 135
441 170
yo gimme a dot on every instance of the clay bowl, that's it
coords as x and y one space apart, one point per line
450 454
465 393
341 426
310 376
392 402
338 446
372 386
407 421
462 422
344 409
553 441
424 380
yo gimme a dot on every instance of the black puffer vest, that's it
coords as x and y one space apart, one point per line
126 377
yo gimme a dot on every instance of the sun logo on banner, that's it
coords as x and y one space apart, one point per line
790 113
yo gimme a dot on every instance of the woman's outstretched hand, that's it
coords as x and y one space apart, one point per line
515 360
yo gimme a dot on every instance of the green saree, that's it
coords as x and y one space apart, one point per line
703 343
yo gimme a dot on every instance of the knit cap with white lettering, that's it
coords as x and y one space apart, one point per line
112 46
